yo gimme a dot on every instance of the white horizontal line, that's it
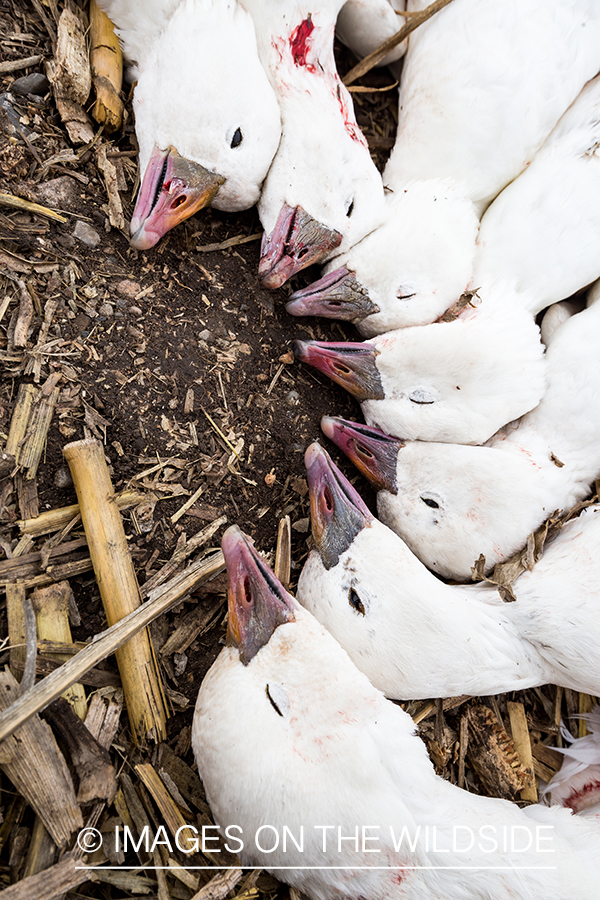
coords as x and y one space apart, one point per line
315 868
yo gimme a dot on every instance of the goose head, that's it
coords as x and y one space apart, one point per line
407 271
323 192
212 139
296 705
456 381
450 503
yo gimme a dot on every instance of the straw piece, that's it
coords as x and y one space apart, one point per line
14 65
54 519
219 886
170 811
119 590
51 605
15 595
38 770
283 553
42 850
35 209
37 431
107 642
374 58
51 883
20 418
585 706
520 734
106 61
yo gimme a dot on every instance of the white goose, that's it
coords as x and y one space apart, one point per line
291 739
477 102
450 503
415 637
456 381
207 119
323 191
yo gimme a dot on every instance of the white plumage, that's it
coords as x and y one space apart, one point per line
207 119
450 503
323 747
457 381
482 88
416 637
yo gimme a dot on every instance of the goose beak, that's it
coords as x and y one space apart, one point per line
257 602
297 241
373 452
337 511
350 365
172 190
337 295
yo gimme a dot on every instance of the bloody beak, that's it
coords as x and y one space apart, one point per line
297 241
337 295
350 365
337 511
373 452
257 602
172 190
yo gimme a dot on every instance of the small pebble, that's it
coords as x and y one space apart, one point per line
293 398
205 335
86 234
129 289
62 477
36 83
135 311
107 309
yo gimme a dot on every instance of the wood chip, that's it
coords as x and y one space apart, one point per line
50 884
107 642
37 769
492 754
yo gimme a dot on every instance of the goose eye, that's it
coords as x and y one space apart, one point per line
429 502
237 138
350 209
401 296
355 602
278 699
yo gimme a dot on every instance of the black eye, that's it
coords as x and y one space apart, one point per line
272 702
355 602
430 502
350 209
237 138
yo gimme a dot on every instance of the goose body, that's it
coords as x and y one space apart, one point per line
473 120
451 503
321 746
457 381
416 637
207 119
323 191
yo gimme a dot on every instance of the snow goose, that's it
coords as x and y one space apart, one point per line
456 381
452 503
291 738
207 119
416 637
323 191
482 88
